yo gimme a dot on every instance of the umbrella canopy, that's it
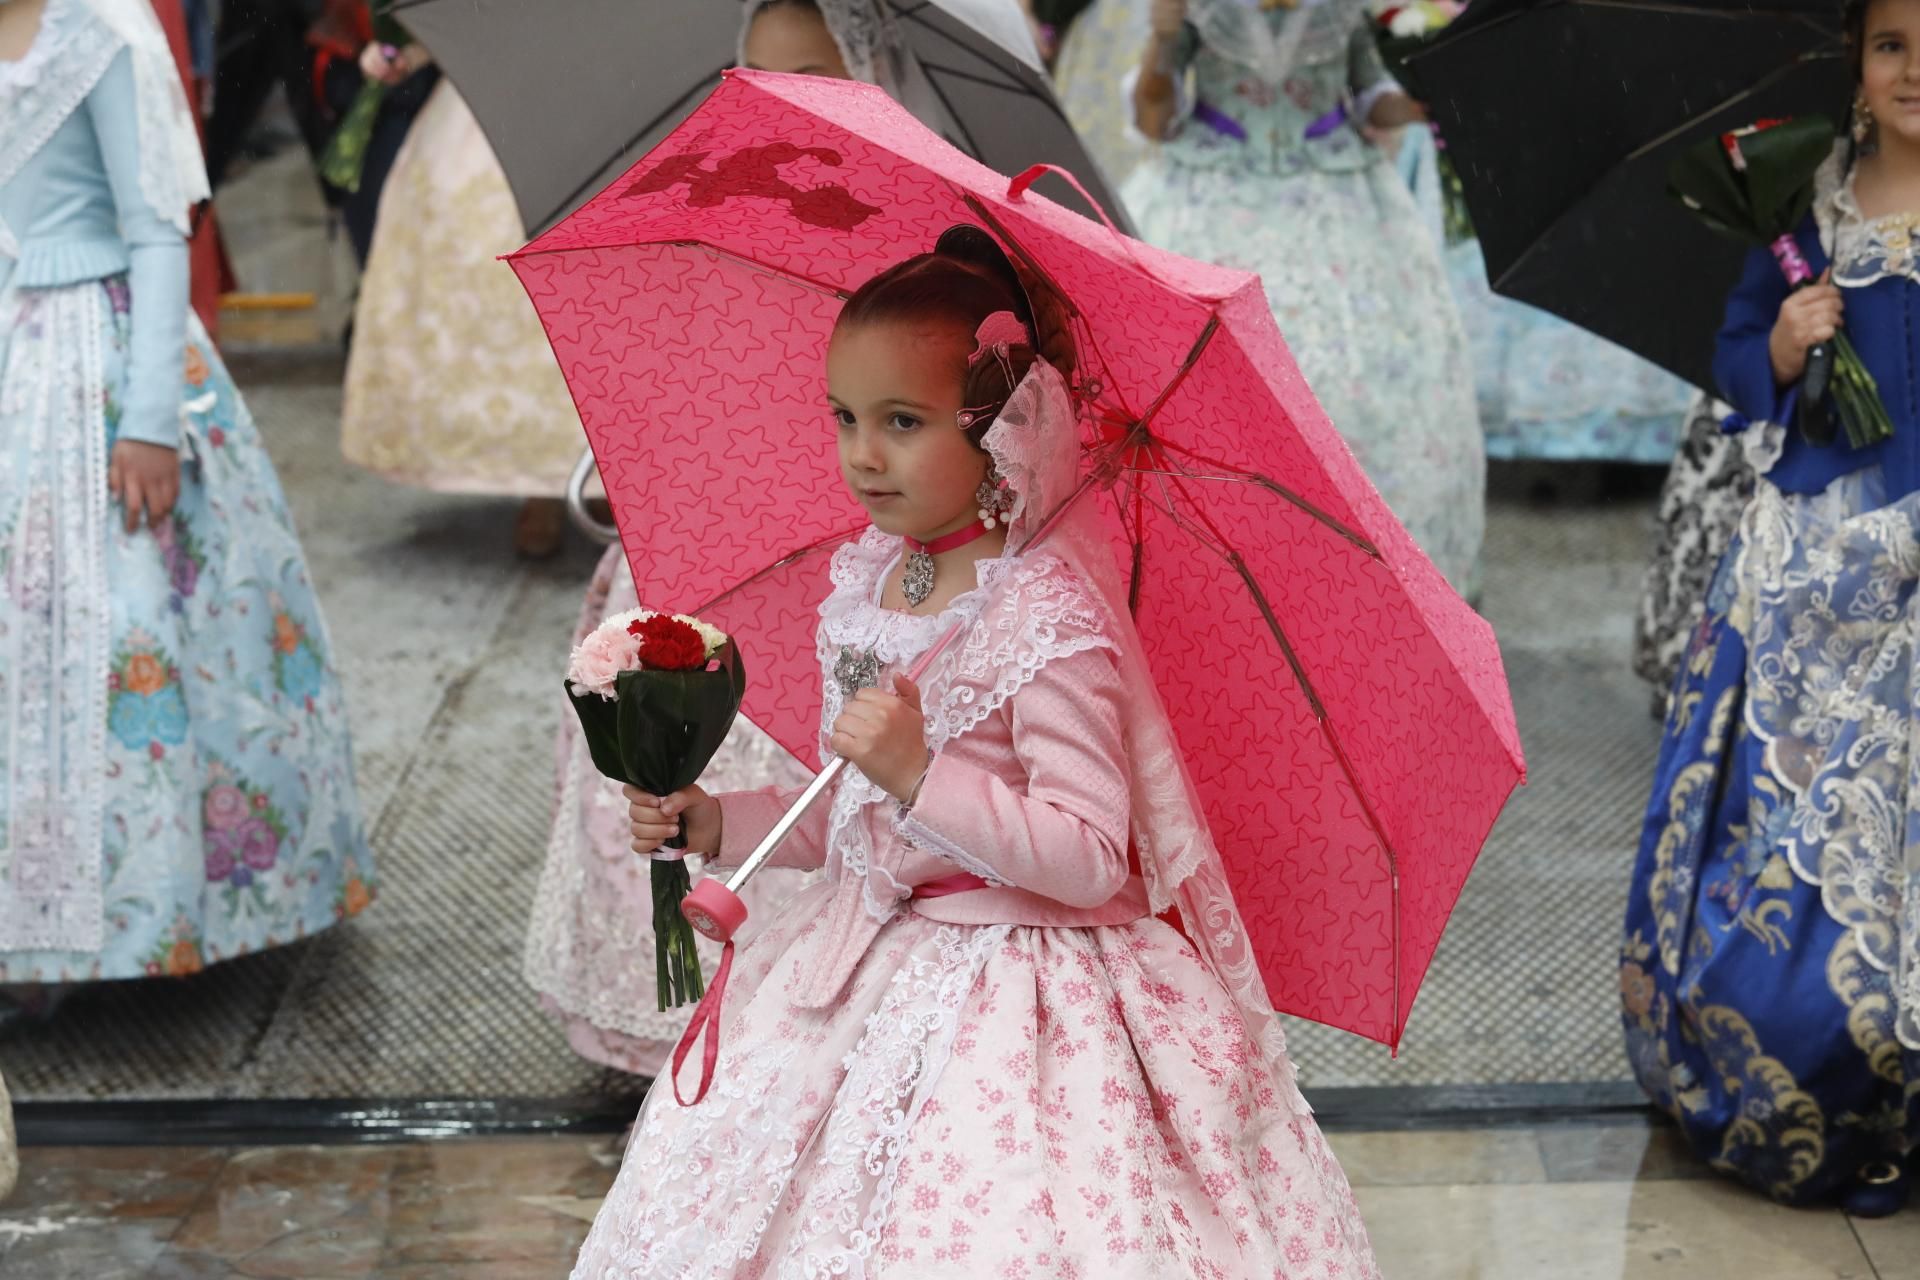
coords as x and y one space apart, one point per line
1345 715
572 92
1562 117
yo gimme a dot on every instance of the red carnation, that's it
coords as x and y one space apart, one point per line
668 644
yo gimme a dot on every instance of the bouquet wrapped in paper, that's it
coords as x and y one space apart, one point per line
1756 184
656 694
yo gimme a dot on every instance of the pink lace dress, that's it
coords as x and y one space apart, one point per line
1033 1078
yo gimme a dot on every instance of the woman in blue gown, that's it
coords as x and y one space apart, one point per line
176 786
1768 980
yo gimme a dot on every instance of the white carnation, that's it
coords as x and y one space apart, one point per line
715 638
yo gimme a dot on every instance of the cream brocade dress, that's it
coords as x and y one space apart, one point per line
452 385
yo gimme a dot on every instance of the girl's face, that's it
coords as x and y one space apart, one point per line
794 38
895 389
1890 67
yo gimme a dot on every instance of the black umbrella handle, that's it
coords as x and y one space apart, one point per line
1814 414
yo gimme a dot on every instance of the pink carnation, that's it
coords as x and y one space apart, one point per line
603 655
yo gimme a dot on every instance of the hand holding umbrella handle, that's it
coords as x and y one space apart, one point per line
715 910
1814 414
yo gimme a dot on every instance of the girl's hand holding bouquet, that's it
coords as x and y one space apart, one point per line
656 695
658 819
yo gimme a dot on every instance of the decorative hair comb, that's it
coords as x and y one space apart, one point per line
997 336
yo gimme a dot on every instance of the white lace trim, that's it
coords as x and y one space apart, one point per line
1035 612
70 53
1868 250
1826 587
55 619
921 836
739 1148
890 1075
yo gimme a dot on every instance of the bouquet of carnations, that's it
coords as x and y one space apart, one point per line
656 694
1756 184
1399 32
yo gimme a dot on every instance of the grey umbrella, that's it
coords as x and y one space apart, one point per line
572 92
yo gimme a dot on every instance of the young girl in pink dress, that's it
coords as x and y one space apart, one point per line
975 1048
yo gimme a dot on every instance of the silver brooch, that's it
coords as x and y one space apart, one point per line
856 669
916 584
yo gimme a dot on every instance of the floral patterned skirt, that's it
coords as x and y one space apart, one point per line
1363 302
1767 979
230 821
981 1101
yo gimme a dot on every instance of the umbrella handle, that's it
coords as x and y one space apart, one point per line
1018 187
583 470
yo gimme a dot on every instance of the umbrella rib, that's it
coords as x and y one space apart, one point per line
1772 77
1237 475
1215 542
974 77
792 557
973 145
778 273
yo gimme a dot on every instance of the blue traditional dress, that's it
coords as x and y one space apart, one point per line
1355 283
175 781
1767 975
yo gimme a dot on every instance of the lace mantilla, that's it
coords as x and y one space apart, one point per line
69 54
863 30
1867 250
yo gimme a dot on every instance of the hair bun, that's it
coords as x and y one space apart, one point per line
1043 311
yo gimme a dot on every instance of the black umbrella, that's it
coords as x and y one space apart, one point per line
572 92
1562 117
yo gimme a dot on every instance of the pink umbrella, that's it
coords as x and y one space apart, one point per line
1345 714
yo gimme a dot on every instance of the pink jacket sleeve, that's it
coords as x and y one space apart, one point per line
747 816
1064 835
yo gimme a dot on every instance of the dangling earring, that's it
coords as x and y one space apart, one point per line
1862 119
994 497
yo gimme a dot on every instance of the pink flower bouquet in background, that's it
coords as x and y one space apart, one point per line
656 694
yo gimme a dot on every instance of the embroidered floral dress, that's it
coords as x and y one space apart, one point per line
1770 995
1355 283
1034 1078
178 787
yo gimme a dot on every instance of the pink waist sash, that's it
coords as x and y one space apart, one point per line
967 899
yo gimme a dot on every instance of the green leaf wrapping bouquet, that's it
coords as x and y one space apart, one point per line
656 695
